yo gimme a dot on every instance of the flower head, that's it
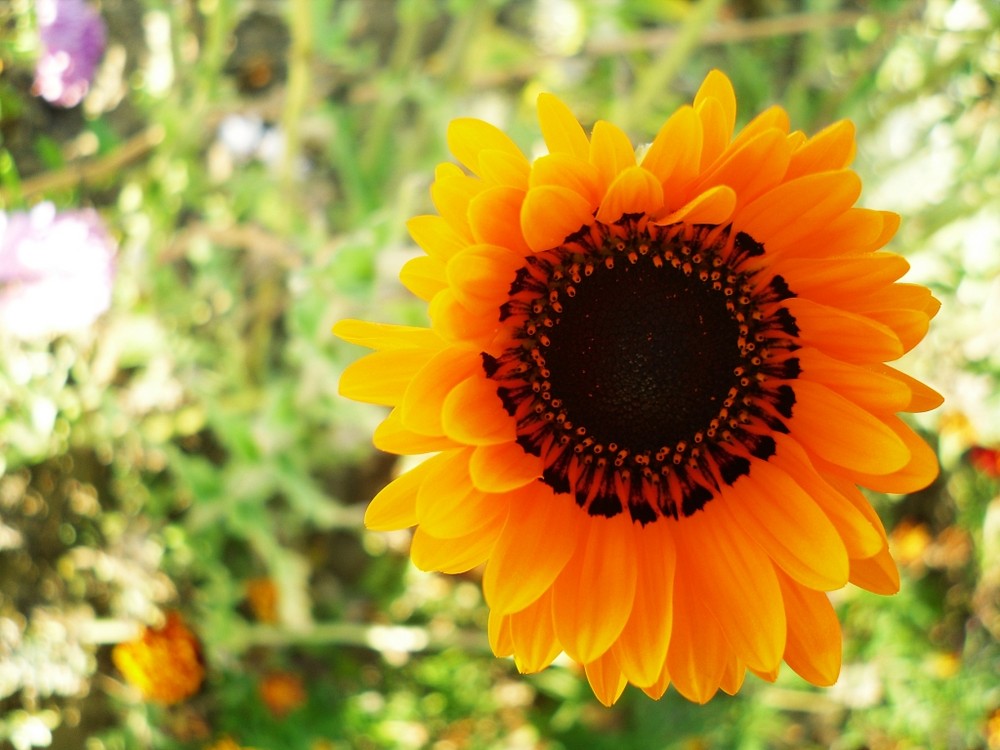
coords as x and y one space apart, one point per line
56 270
164 663
653 387
73 38
282 693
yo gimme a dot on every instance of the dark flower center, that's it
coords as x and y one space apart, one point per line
646 365
643 356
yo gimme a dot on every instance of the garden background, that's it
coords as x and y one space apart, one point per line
254 163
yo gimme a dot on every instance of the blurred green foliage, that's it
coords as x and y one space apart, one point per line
256 162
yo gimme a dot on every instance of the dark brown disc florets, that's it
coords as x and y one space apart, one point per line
642 362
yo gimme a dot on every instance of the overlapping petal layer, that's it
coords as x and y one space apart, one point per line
736 580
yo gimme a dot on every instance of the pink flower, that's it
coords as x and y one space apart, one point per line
56 271
73 39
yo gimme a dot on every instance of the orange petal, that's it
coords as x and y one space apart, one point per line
534 637
436 237
391 436
867 388
480 276
452 556
698 652
611 153
713 206
560 129
420 409
382 377
838 431
831 148
473 414
455 322
833 280
498 634
794 208
857 525
633 191
919 471
641 648
386 335
877 574
733 676
592 597
395 507
674 154
752 168
541 534
468 137
494 215
814 644
783 519
605 678
922 397
736 581
550 214
717 86
503 467
843 335
772 118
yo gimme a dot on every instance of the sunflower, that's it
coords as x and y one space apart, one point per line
652 385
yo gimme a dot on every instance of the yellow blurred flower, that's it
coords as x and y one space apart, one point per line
165 664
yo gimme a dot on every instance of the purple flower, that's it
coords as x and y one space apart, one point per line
73 39
56 271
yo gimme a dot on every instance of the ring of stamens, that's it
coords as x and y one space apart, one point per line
678 457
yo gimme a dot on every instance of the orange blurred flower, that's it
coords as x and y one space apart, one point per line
262 595
165 663
282 693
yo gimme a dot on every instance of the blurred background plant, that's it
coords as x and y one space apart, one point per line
234 176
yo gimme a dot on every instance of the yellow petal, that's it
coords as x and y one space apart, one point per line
382 377
498 634
564 170
480 276
436 236
423 276
717 86
877 574
831 148
386 335
751 168
448 506
502 168
867 388
456 555
391 436
468 137
395 507
560 129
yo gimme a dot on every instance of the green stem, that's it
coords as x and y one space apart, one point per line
299 78
656 79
